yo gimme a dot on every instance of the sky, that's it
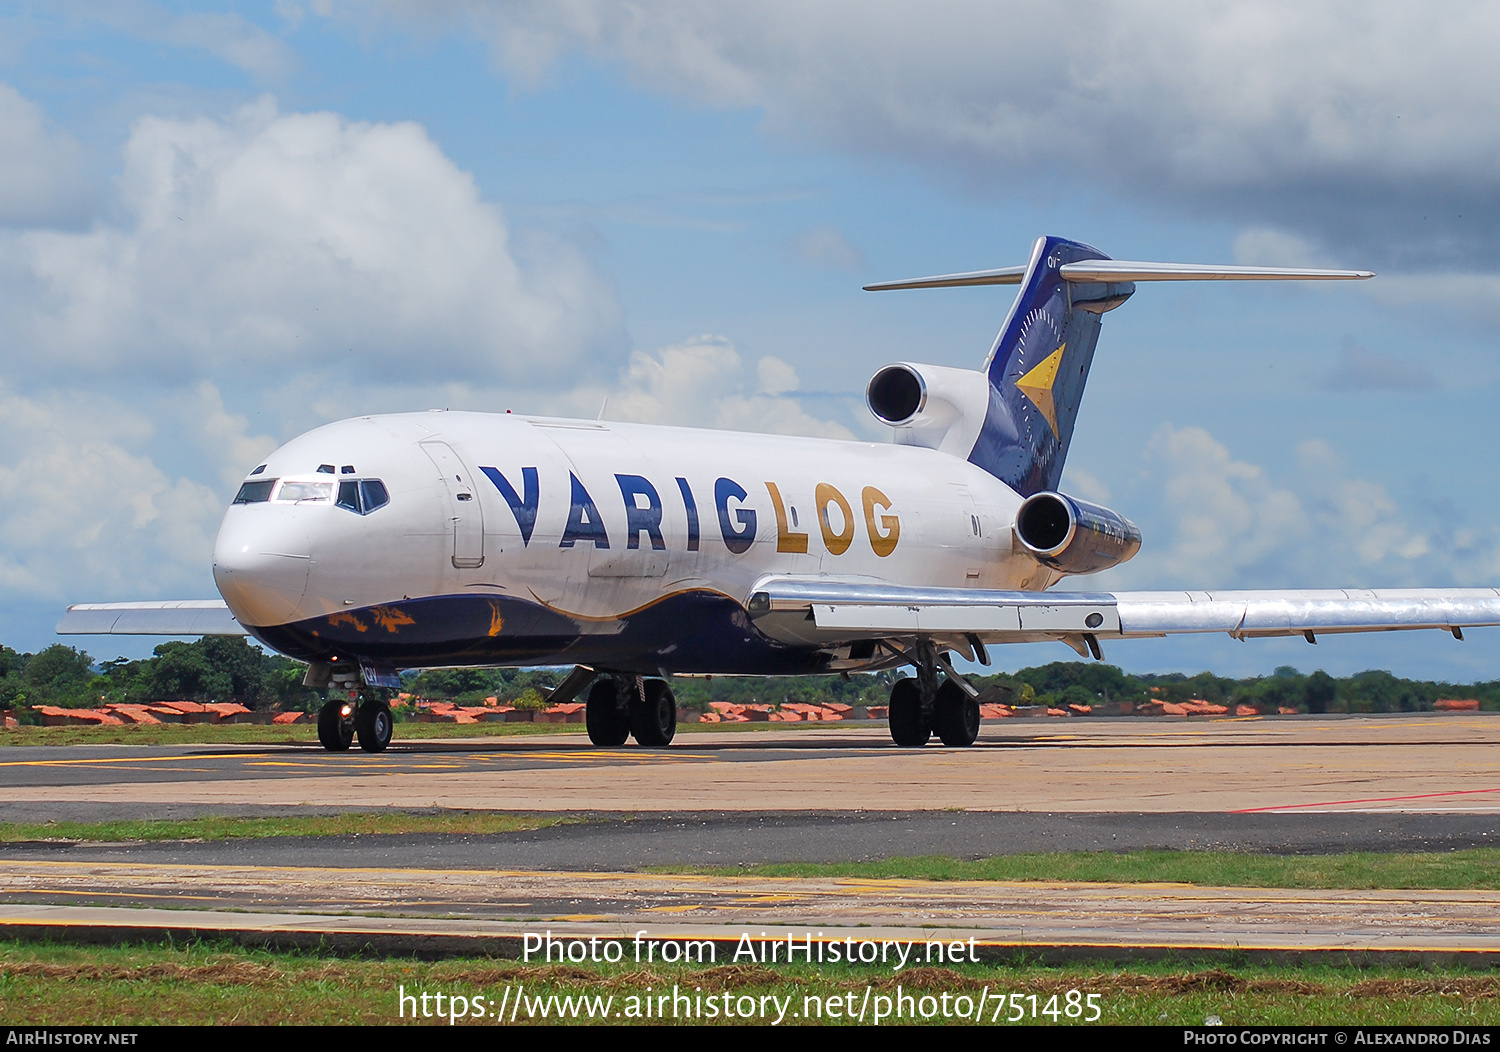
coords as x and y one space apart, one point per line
223 224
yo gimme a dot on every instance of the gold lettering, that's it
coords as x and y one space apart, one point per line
838 543
883 538
786 540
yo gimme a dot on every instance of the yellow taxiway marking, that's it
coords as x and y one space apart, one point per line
194 758
602 755
393 761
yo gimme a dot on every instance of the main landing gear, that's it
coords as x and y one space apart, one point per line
922 704
369 720
620 706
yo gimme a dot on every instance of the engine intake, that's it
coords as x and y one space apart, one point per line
930 405
896 394
1073 535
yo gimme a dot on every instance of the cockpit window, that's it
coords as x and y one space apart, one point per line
254 492
296 492
362 495
374 494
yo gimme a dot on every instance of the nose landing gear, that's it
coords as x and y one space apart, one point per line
360 715
374 725
336 725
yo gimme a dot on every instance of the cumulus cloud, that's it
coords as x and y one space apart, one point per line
40 180
299 242
1213 521
1364 124
86 513
702 382
223 437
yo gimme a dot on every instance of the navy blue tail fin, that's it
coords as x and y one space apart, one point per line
1038 368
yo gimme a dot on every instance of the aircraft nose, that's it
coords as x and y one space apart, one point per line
261 563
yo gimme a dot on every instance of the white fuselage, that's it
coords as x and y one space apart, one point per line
594 521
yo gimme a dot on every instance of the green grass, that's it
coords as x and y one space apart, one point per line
373 823
1477 868
67 985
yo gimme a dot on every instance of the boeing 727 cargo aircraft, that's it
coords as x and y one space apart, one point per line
633 552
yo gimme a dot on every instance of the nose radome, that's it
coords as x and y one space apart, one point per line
261 562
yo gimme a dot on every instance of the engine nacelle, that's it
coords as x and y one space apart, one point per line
1073 535
931 405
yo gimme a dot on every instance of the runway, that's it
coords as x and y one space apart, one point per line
1306 785
1409 763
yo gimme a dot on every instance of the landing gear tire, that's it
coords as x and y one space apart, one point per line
653 719
375 725
607 720
335 731
909 729
957 716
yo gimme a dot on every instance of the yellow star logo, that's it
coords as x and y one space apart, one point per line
1037 385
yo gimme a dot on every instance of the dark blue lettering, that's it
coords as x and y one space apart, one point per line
692 513
737 541
638 518
523 510
584 521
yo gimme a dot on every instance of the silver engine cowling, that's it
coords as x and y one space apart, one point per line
935 406
1074 536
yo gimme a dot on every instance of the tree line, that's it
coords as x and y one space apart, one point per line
1056 685
230 668
214 668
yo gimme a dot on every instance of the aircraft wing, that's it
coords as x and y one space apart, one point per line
808 610
172 617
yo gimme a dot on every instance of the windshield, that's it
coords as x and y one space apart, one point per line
362 496
254 492
296 492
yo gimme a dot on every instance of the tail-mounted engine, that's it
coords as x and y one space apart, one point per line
1073 535
930 405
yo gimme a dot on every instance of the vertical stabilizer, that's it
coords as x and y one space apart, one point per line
1040 361
1039 365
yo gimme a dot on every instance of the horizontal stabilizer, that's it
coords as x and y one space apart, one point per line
1118 270
1108 270
172 617
1003 276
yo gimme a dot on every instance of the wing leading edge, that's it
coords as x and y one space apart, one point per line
828 610
172 617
